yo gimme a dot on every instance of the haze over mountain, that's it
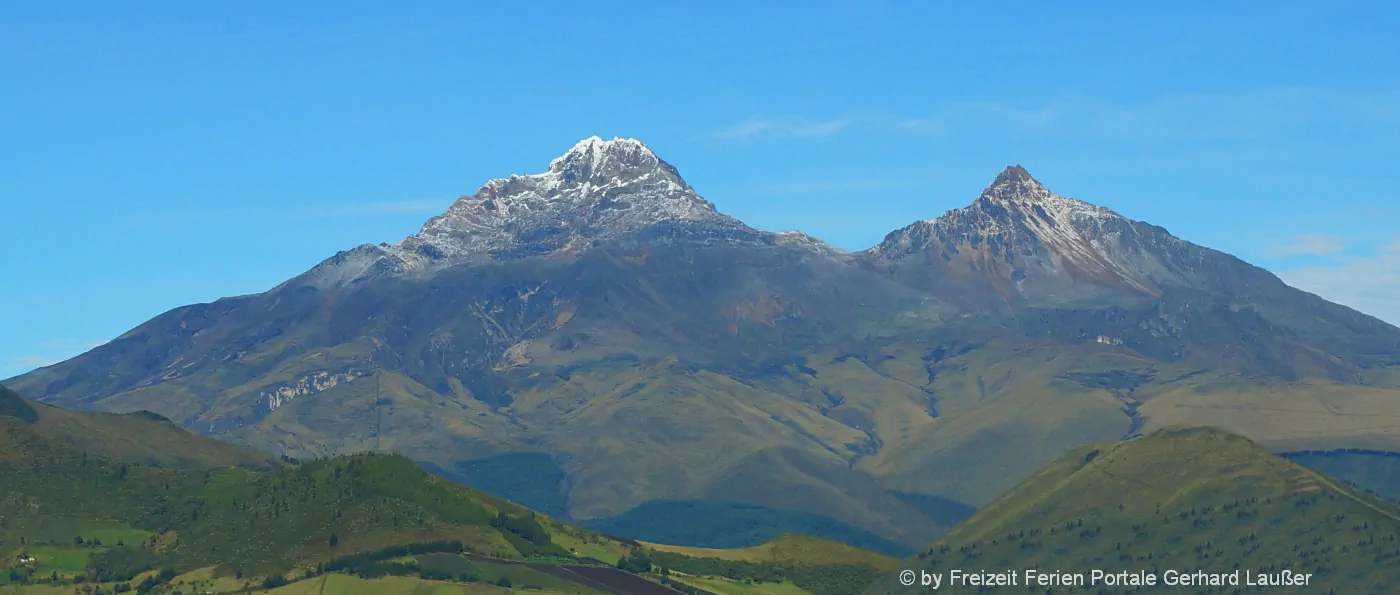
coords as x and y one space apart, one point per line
604 314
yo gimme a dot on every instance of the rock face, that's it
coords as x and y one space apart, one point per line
604 313
1033 246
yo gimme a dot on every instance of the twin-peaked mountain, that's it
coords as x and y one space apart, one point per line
608 338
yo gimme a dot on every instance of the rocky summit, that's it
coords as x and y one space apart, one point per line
600 189
625 351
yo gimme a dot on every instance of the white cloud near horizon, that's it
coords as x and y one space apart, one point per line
1370 284
1193 116
820 128
54 351
73 344
745 129
33 361
1278 113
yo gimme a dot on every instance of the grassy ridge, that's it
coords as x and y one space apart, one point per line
1181 498
788 565
139 437
828 579
110 519
789 549
726 525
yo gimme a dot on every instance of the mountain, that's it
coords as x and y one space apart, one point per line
1183 499
1070 270
643 352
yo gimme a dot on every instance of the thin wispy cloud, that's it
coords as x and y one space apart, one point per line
782 127
1175 117
745 129
1370 283
1267 117
820 128
73 344
1308 244
29 362
47 353
830 186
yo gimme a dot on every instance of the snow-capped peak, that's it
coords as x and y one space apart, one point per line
594 151
599 189
596 162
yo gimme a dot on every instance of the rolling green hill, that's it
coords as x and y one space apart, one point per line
82 512
140 437
1180 499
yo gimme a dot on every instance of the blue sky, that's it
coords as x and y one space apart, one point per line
156 155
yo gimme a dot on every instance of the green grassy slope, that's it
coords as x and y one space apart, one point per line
1184 498
726 525
138 437
790 549
108 518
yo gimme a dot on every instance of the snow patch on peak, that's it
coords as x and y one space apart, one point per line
599 189
1015 188
594 147
596 161
797 238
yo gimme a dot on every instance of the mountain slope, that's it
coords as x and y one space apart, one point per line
1184 499
603 314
